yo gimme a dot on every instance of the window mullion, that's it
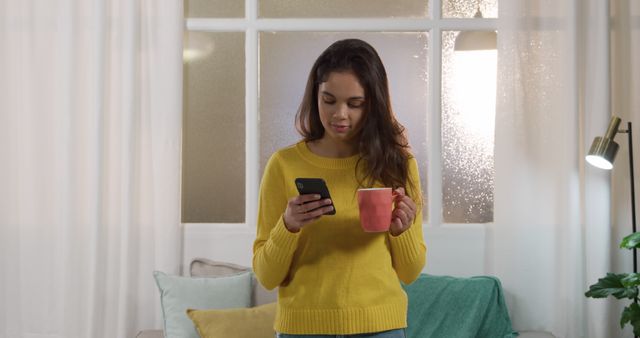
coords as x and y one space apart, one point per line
434 139
436 10
345 25
252 137
216 25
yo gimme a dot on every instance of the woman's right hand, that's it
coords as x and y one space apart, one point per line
304 209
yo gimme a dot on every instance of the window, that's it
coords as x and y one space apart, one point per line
245 68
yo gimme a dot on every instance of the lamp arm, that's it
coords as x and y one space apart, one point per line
612 129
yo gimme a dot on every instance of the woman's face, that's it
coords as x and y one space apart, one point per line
341 104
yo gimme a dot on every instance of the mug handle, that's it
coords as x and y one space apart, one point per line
395 194
394 197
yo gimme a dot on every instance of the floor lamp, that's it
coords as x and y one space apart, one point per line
602 154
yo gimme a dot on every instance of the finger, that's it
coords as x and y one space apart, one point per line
400 191
401 205
396 225
328 209
410 203
313 215
301 199
407 207
291 221
402 215
315 205
300 219
310 206
319 212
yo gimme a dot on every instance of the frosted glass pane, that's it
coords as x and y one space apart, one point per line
213 150
468 8
214 8
287 57
468 124
342 8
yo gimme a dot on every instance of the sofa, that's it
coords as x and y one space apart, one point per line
439 306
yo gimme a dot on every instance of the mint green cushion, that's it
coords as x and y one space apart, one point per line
179 293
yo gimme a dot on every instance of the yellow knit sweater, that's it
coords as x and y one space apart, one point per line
333 278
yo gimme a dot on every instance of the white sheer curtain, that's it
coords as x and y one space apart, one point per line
552 235
625 102
90 122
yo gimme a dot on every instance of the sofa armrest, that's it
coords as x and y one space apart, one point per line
445 306
203 267
150 334
535 334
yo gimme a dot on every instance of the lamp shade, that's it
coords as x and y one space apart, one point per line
604 149
602 153
476 40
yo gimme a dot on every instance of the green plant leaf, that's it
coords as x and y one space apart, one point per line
611 285
631 241
632 279
631 314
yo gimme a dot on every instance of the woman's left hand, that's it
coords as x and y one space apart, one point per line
404 213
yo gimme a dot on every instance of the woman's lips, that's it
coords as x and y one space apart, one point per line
340 128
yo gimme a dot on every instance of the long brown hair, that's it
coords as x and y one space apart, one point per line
383 145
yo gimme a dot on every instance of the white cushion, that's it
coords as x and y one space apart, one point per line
177 294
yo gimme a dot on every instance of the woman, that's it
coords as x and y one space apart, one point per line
334 278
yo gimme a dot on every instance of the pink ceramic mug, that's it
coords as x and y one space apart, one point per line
376 205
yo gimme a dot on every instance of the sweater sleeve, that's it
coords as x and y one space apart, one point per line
274 245
408 250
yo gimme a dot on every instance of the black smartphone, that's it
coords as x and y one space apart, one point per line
314 186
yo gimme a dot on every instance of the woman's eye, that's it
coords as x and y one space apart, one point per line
328 101
355 104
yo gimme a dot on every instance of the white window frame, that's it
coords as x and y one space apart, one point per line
251 25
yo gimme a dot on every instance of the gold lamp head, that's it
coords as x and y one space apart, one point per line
604 149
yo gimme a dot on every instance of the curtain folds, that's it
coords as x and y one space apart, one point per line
555 225
90 132
90 123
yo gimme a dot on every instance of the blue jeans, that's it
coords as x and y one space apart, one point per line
398 333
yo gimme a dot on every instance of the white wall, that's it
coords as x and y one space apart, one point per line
456 250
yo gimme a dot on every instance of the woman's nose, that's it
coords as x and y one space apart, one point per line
342 111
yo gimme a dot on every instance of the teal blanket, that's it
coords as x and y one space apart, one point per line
443 306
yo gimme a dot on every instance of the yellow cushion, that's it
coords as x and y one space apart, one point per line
255 322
